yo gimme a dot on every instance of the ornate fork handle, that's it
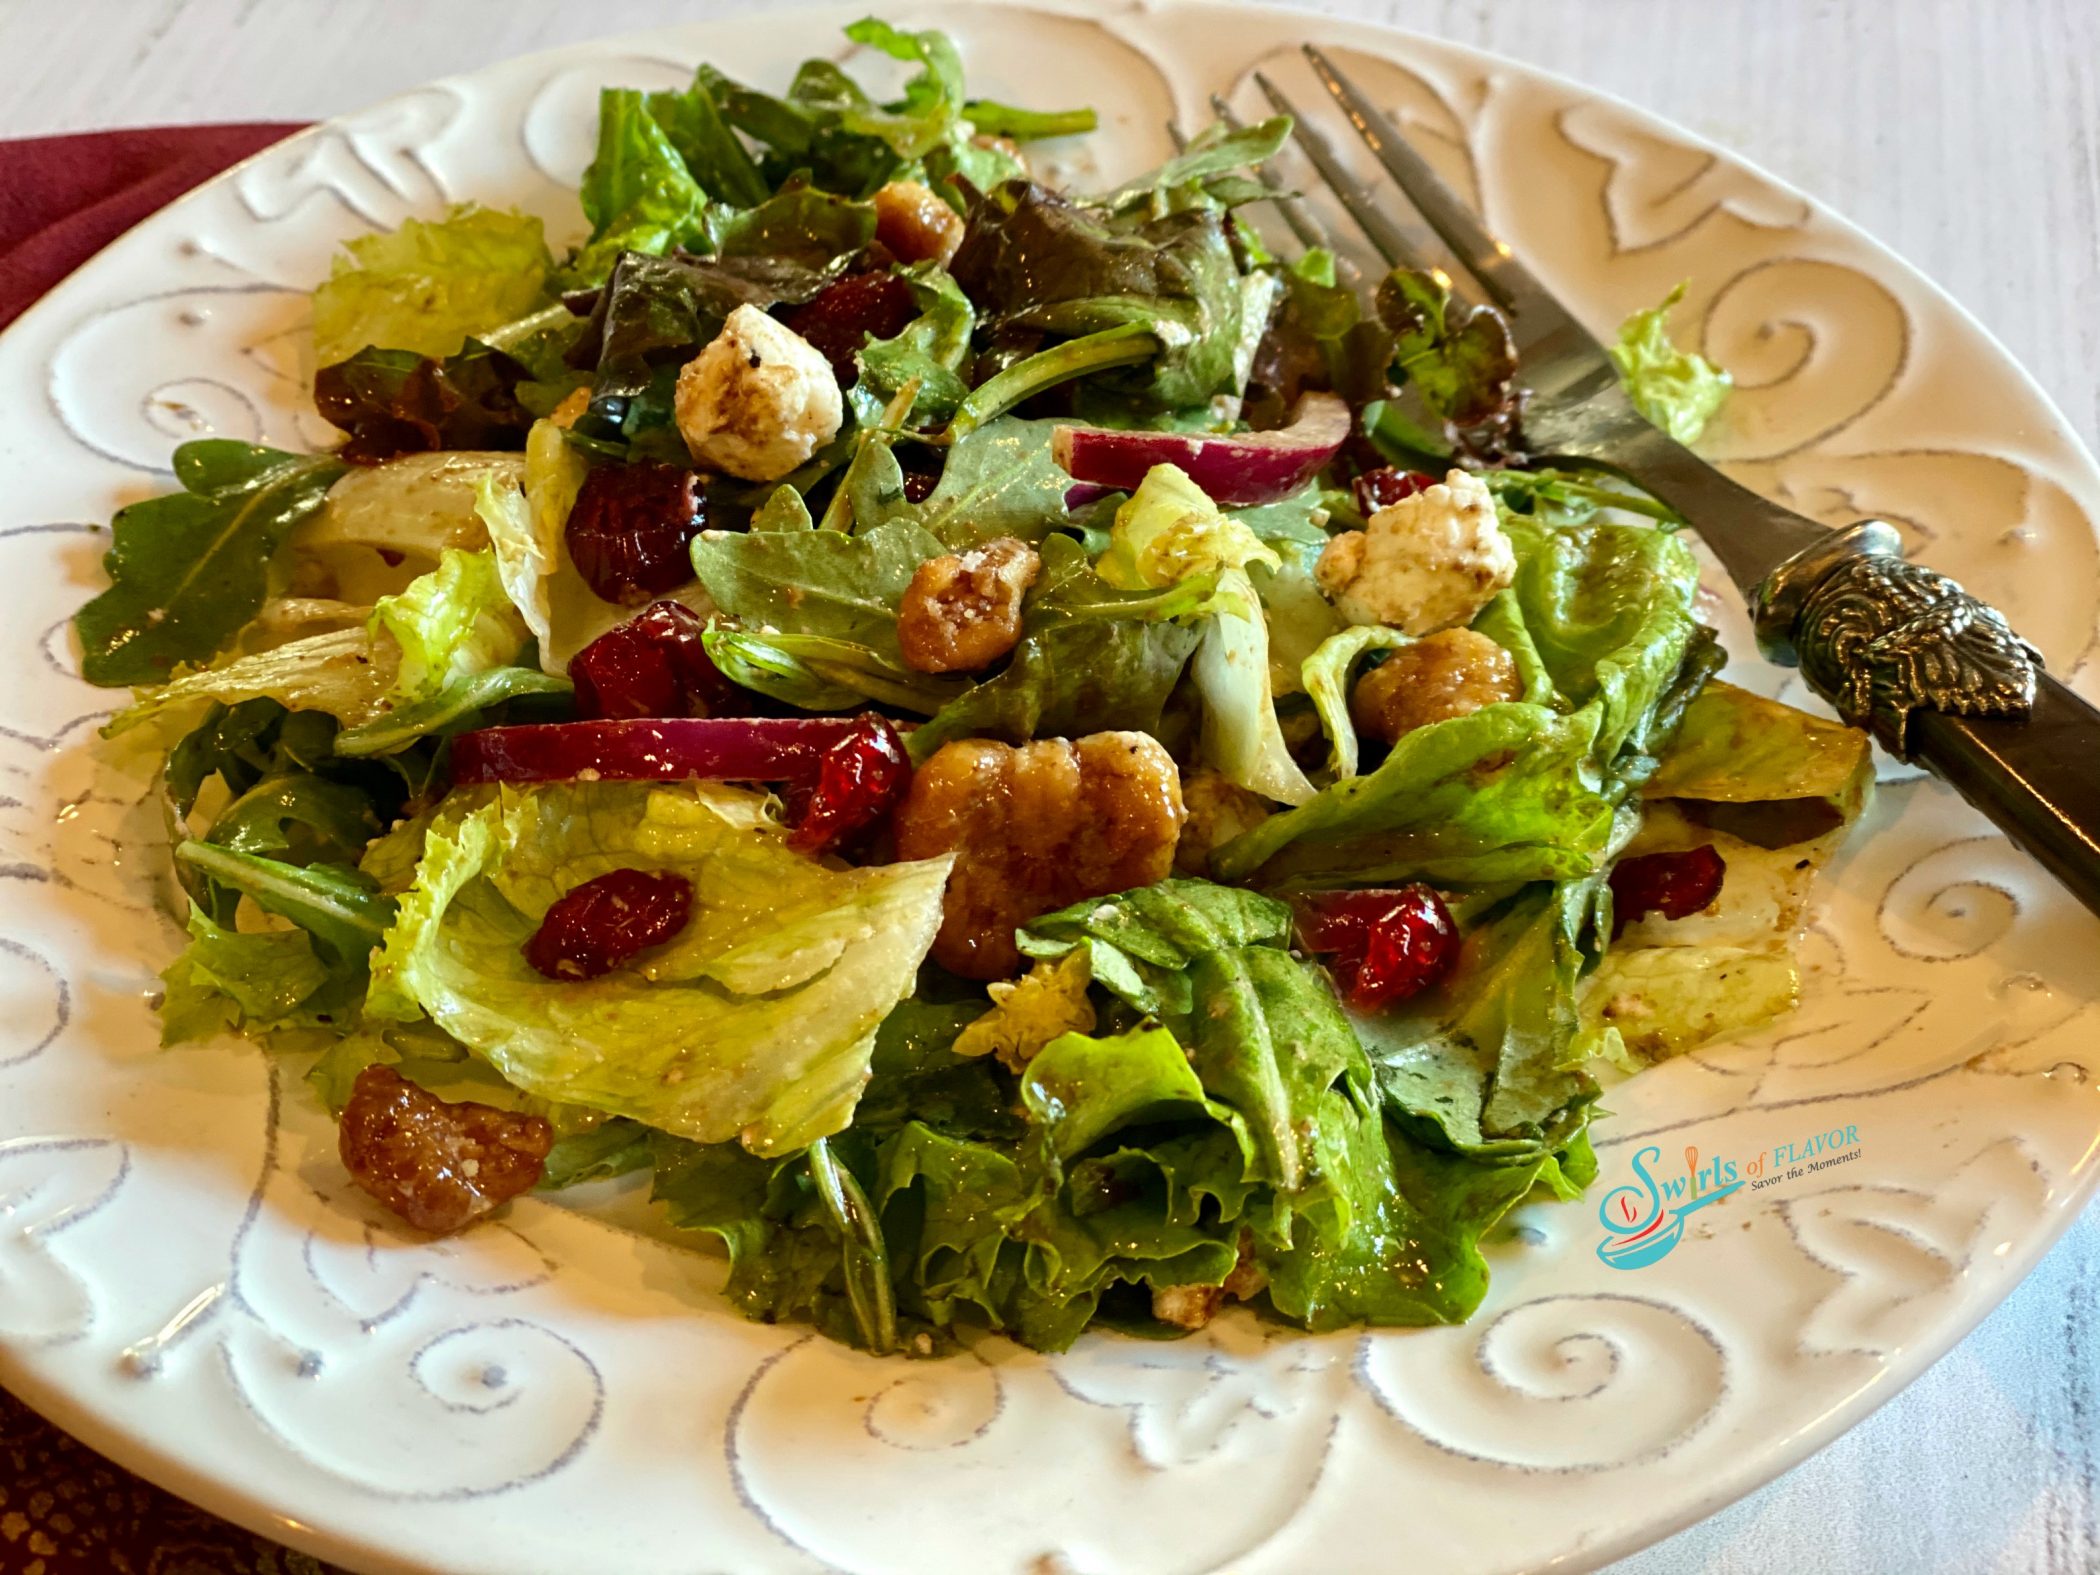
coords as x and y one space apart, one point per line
1882 639
1941 679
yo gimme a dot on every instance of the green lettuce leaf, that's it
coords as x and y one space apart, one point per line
1489 1065
427 287
345 674
462 702
1679 390
798 223
1459 356
782 955
709 148
637 192
1417 1217
1141 943
451 623
1527 789
1169 532
1326 676
1154 1157
189 570
254 982
1033 260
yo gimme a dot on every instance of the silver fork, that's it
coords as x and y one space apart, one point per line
1938 676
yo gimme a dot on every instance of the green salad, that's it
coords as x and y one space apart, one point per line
1030 758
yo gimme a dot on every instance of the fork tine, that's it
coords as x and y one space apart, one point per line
1177 136
1507 282
1310 232
1382 232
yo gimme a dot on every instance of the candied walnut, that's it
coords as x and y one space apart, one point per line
571 409
913 222
1037 828
437 1165
1187 1306
1219 809
1192 1306
963 611
1450 674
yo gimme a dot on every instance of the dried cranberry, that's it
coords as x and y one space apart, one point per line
1383 946
437 1165
631 532
1387 485
1674 885
841 317
608 921
858 782
654 664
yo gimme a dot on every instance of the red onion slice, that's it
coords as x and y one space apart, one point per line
1237 470
650 749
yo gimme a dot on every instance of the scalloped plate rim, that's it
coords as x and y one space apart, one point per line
104 1429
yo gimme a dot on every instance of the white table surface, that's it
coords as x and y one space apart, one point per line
1965 133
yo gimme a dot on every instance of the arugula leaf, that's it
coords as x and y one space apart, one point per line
1678 390
637 192
932 100
821 582
1001 480
818 673
394 402
1192 174
301 817
187 571
460 703
241 745
427 287
337 905
993 119
932 348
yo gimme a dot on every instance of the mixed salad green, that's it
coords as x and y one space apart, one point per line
1186 1086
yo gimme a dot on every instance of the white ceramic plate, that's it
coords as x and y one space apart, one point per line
187 1281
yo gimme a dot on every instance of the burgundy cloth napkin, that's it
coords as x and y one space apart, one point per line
63 1509
62 199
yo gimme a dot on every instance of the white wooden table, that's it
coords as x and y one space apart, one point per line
1965 133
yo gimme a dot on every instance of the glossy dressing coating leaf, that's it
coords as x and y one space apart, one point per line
188 570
